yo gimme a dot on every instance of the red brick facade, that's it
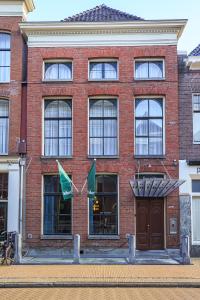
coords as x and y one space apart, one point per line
125 166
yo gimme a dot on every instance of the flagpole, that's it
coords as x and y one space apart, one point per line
84 185
70 180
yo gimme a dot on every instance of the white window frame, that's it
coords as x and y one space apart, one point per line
8 33
149 60
102 98
102 60
6 153
164 126
193 95
43 127
56 61
194 196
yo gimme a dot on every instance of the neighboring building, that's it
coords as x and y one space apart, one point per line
12 134
189 108
103 84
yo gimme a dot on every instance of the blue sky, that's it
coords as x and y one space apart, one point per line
50 10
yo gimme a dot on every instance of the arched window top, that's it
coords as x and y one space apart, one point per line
4 41
149 108
58 109
58 71
4 108
149 69
103 108
103 70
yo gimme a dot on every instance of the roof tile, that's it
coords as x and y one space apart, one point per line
196 51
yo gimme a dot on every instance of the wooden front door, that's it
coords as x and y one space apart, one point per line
149 224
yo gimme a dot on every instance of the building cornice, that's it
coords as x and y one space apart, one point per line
193 62
15 8
156 32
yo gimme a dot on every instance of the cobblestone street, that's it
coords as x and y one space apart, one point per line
100 293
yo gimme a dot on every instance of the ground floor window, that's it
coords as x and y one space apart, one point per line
103 210
57 211
3 202
196 219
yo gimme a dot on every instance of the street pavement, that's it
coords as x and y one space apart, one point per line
100 294
101 275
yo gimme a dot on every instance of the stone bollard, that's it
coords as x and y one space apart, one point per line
76 249
131 248
185 250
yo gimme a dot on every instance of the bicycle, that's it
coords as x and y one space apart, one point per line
7 248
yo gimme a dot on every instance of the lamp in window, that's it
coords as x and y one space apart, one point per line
96 206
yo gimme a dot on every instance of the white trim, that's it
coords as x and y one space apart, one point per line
164 124
93 60
8 137
146 59
58 61
15 8
193 62
193 112
194 195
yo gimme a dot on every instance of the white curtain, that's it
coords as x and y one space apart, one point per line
196 219
51 72
4 106
141 146
4 41
196 127
142 127
64 72
155 69
96 71
110 70
141 70
4 57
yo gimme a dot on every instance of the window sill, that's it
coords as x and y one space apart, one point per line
103 237
5 82
103 80
102 156
57 81
149 79
149 157
56 237
55 157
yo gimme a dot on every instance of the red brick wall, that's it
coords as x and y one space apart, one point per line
125 166
12 90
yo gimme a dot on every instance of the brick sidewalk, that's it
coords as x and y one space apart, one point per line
80 275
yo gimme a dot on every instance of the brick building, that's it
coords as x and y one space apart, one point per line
103 84
12 90
189 111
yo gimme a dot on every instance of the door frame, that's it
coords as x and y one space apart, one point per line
164 221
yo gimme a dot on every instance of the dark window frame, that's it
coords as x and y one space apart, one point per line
47 64
6 50
102 196
149 62
103 118
59 197
148 118
103 71
195 111
4 201
58 138
7 118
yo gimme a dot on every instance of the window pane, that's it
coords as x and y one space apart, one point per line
109 183
155 146
142 127
51 109
4 58
3 218
4 74
141 146
155 108
65 71
110 70
96 70
155 127
110 108
51 184
141 70
51 71
196 186
196 102
65 129
65 110
110 128
156 69
141 108
96 146
196 127
196 219
96 108
96 128
4 107
4 186
51 147
4 41
110 146
65 146
51 128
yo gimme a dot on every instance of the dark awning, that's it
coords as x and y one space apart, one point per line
154 187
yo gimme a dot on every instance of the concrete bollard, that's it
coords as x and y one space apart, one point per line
185 250
76 249
131 248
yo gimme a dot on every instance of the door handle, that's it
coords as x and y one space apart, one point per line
148 226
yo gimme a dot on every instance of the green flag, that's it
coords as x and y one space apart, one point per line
91 180
65 182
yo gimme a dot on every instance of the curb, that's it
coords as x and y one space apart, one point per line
100 285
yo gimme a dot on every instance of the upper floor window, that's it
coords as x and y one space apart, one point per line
103 127
58 71
196 118
149 69
4 57
58 128
103 70
4 122
149 127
